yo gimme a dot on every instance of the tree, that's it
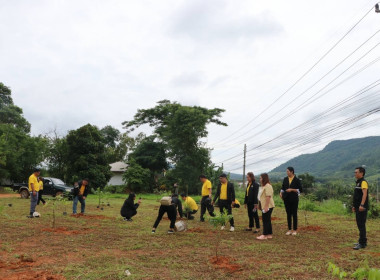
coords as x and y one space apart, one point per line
137 178
87 156
307 182
180 129
57 156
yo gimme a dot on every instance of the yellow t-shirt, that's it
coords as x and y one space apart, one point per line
223 191
237 202
191 203
290 180
206 188
41 185
267 191
248 188
364 185
33 180
81 190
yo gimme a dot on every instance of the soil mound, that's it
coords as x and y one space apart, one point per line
225 264
89 217
310 228
64 230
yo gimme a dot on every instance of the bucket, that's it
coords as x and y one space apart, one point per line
180 226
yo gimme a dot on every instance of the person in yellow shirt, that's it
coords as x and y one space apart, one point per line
225 193
34 187
80 193
190 206
206 198
40 191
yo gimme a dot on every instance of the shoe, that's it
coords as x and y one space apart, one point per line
261 237
248 229
202 221
289 232
223 227
269 236
294 233
170 231
359 246
153 231
232 229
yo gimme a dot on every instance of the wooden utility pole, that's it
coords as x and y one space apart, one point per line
245 154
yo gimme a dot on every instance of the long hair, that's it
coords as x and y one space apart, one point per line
250 175
265 179
131 196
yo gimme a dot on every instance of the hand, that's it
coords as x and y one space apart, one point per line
255 207
34 193
266 210
361 209
245 206
233 203
139 201
288 190
281 194
353 209
212 203
84 197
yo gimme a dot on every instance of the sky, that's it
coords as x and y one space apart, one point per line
69 63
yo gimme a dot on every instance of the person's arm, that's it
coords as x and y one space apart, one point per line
255 195
85 192
180 208
217 194
210 192
283 187
233 194
364 198
246 196
267 201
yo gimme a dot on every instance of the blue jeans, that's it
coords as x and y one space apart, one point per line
33 202
82 204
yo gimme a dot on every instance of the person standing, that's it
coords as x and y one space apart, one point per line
251 202
190 205
360 206
172 213
34 187
206 198
80 194
225 193
41 190
290 191
267 205
129 208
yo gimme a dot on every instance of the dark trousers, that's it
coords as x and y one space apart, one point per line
190 213
267 222
206 204
253 215
40 197
226 204
172 215
82 203
129 214
361 218
291 208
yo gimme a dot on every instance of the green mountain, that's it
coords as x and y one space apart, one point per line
338 160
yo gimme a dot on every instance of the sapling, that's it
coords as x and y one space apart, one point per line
217 221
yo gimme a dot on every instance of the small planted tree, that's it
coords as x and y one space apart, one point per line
56 201
217 221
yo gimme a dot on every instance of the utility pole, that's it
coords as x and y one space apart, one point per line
245 154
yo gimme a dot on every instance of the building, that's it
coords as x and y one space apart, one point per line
117 169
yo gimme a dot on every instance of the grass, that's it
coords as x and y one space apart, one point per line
102 246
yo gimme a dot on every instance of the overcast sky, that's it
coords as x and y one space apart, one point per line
70 63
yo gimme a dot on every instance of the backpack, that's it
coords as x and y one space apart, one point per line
166 201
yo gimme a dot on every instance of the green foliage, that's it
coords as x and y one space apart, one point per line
220 219
57 156
180 129
137 178
87 156
336 271
102 195
374 208
116 188
307 182
361 273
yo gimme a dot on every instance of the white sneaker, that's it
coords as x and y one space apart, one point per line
289 232
232 229
223 227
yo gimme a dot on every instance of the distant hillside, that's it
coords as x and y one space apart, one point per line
339 159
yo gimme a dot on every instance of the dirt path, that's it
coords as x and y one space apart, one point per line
7 195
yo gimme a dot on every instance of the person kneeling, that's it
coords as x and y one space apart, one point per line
172 213
190 205
129 209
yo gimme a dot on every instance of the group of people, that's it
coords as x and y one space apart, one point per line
36 185
254 200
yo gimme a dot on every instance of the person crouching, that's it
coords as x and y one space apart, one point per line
129 208
172 213
191 206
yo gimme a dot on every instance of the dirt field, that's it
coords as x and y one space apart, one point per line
100 245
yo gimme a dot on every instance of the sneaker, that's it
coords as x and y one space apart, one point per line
232 229
294 233
170 231
127 220
223 227
289 232
359 246
248 229
261 237
153 231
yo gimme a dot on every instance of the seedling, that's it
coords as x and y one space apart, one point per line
218 221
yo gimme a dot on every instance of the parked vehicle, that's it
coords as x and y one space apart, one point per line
52 186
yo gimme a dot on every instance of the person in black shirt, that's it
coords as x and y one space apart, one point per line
129 209
172 213
291 188
251 202
360 206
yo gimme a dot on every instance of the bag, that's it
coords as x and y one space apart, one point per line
166 201
180 226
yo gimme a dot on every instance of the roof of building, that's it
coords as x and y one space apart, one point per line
119 166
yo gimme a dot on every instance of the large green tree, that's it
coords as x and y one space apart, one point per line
87 156
180 129
19 151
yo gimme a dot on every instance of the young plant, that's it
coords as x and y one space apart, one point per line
336 271
218 221
55 202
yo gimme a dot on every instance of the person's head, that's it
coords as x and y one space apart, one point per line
250 177
85 181
264 179
183 196
40 179
223 178
37 171
203 178
132 196
290 171
174 195
359 172
75 183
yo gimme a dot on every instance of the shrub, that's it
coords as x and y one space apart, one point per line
116 189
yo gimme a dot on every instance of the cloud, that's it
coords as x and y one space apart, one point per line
187 79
